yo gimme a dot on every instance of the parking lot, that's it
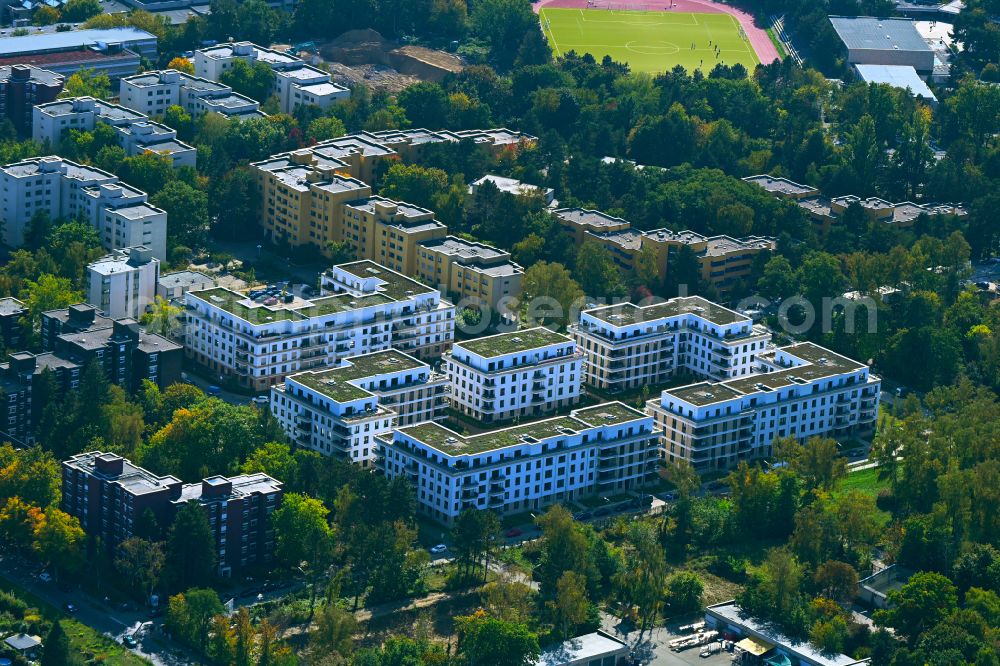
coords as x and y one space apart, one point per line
654 650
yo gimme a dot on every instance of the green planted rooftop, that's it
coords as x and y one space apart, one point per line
628 313
335 383
513 342
396 286
452 443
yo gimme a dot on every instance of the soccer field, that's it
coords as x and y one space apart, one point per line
649 41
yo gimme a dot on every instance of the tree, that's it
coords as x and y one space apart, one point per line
597 273
187 209
326 127
58 540
564 548
837 581
502 24
232 202
684 590
181 64
45 15
49 293
56 647
333 631
829 636
163 318
190 551
190 614
425 103
570 605
923 601
475 534
817 462
78 11
414 184
549 295
256 80
141 562
150 172
87 83
303 536
487 641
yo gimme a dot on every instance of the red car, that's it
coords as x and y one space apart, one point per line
514 532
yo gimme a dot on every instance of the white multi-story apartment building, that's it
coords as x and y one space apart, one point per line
123 283
264 335
135 132
65 189
629 346
606 448
801 391
295 82
340 410
153 92
509 375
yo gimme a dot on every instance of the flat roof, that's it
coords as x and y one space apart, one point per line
819 363
183 278
881 34
70 39
10 305
452 443
779 185
582 649
336 383
589 218
734 616
38 74
629 313
704 393
463 249
500 344
897 76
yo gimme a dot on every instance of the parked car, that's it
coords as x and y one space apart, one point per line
213 390
513 532
668 496
129 641
438 549
69 607
45 577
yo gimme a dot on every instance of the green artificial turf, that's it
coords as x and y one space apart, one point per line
649 41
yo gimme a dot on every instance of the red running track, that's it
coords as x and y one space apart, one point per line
759 40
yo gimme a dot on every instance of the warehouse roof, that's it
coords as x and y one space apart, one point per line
897 76
869 33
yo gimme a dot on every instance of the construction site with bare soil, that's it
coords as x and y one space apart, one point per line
365 56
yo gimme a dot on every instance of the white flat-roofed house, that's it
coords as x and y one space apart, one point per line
295 82
603 449
801 391
153 92
123 283
340 410
630 346
518 374
173 286
134 131
261 336
64 189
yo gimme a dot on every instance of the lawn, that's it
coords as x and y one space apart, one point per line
649 41
865 481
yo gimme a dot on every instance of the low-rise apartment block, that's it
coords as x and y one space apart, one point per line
260 337
136 134
295 82
389 232
472 273
826 212
339 411
724 260
629 346
608 448
64 189
173 286
123 283
151 93
514 187
512 375
110 495
801 390
411 144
